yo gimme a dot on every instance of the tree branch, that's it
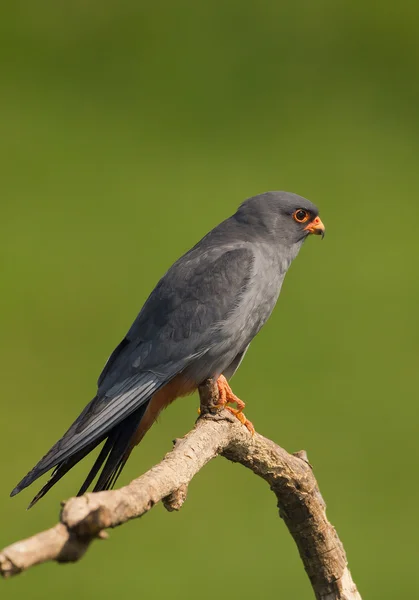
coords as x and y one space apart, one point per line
290 477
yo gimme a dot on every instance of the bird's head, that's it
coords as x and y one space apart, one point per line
285 216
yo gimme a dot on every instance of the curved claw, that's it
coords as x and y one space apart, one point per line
227 396
241 417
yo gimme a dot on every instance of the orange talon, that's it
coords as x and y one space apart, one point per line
240 416
226 396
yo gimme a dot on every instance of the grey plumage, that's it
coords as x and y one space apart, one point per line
199 321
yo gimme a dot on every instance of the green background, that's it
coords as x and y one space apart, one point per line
128 130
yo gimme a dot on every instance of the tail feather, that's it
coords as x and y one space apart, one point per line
115 451
96 467
96 422
62 468
121 446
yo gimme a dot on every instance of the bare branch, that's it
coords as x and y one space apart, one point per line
290 477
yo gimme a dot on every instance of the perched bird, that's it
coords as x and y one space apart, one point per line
197 323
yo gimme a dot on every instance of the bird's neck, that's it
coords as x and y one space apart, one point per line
286 254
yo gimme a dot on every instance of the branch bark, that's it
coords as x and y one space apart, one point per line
289 476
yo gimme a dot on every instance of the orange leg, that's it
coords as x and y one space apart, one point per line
226 396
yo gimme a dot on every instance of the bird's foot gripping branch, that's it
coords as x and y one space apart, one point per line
217 432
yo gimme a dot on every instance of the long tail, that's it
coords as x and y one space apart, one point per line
111 416
115 451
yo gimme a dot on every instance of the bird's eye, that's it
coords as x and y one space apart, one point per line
301 215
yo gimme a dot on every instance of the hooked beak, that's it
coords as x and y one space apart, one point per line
316 227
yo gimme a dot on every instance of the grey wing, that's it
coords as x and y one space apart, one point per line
175 328
181 319
178 325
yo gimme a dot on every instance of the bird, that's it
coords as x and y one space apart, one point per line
197 323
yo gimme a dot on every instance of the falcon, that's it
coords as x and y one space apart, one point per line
196 324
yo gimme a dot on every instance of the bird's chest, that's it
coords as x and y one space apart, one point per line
261 305
260 298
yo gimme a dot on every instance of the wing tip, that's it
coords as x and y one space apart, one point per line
26 481
16 490
21 486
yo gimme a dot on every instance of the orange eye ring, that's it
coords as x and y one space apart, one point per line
301 215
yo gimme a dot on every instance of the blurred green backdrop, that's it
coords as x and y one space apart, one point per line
128 130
